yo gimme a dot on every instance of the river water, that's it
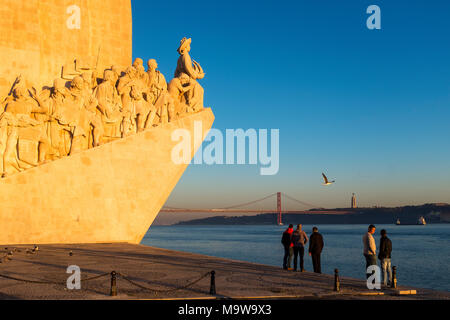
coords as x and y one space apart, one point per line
421 253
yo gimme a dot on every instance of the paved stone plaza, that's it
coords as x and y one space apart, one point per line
166 272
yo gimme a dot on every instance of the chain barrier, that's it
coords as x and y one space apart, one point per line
113 275
28 281
51 282
95 277
163 291
126 278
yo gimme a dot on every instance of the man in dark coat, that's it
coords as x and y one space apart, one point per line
315 249
385 256
286 240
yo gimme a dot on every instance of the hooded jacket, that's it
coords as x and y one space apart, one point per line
286 240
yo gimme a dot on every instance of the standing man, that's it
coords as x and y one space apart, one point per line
385 256
315 249
370 249
286 240
299 239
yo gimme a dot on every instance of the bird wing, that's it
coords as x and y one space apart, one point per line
325 177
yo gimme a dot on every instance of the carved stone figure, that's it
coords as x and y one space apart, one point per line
89 126
90 80
110 107
138 65
62 120
144 111
194 97
23 139
177 88
163 101
117 74
124 87
136 99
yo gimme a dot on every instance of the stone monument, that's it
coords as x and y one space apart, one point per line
85 134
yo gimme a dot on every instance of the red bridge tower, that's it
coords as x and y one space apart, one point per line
279 221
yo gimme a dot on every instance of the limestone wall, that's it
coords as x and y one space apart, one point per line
38 37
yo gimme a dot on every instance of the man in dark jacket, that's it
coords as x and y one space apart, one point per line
286 240
315 249
299 239
385 256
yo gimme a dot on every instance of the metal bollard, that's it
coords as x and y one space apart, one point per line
394 277
337 282
212 289
113 292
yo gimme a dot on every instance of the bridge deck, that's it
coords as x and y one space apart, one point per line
255 211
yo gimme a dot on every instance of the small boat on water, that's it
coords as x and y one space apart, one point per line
421 221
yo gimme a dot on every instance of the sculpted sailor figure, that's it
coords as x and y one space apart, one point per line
194 97
110 107
124 86
138 65
90 81
117 73
89 127
177 88
162 100
17 128
136 99
61 120
144 110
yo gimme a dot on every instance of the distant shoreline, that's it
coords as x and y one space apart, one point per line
408 215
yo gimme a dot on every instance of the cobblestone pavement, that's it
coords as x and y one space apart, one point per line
152 273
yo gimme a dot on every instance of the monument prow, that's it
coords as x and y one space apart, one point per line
111 193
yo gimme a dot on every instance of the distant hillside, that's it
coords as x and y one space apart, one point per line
407 215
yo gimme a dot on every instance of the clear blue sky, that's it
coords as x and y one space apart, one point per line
369 107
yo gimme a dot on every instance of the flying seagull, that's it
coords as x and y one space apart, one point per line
326 182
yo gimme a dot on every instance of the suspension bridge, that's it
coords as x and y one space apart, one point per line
241 208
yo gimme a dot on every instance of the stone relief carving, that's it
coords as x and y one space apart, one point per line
81 111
